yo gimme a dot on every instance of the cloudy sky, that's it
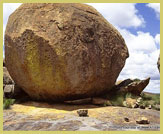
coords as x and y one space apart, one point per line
139 25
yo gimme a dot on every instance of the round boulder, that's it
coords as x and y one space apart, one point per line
63 51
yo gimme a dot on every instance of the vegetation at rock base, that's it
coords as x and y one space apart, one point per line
150 99
119 98
147 99
7 103
136 80
130 95
150 96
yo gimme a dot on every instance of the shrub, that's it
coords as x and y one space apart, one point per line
130 95
145 96
151 99
117 100
7 103
136 80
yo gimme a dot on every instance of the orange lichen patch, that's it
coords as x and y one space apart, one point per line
102 111
22 109
33 110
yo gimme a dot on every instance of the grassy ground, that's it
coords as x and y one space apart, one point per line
147 99
151 99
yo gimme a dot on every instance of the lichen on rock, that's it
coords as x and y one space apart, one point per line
63 51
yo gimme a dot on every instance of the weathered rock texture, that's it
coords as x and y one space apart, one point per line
135 86
7 80
63 51
8 83
32 116
10 89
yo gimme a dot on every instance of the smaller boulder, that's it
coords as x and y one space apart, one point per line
82 113
8 91
101 101
150 107
7 80
79 102
139 100
13 91
130 103
142 106
135 86
143 120
10 88
124 103
126 119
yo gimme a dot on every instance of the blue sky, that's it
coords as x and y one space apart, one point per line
152 22
139 24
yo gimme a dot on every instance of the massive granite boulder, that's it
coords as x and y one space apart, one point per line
63 51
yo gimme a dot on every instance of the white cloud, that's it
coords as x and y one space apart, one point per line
157 38
142 62
120 14
155 7
140 42
154 86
